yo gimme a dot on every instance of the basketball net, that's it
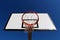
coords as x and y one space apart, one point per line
32 17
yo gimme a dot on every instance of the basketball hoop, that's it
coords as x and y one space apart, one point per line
32 17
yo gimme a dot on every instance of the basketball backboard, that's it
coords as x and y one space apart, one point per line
44 23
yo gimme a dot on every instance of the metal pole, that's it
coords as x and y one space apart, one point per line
30 33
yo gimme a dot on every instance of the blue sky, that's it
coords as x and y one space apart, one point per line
52 7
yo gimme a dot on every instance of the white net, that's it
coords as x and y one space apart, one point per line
30 18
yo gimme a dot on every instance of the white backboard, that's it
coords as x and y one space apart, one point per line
15 22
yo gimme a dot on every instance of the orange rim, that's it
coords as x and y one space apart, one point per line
28 23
